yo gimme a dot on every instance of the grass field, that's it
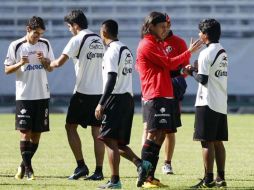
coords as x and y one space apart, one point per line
54 161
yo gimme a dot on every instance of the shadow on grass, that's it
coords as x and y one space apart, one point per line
40 177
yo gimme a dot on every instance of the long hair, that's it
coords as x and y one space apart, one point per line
153 18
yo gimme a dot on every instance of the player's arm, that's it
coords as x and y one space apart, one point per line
44 61
13 68
59 62
107 92
201 78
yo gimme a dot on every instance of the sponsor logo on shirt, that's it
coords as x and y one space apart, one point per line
126 70
33 67
91 55
96 44
222 64
220 73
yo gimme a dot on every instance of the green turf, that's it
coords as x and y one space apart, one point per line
54 161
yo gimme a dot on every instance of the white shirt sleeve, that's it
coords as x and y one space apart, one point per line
111 61
72 48
203 64
10 57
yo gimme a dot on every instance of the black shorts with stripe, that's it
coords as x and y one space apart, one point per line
161 113
117 118
81 110
32 115
210 125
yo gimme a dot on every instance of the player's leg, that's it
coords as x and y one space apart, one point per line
205 132
220 157
169 150
99 151
114 161
76 147
77 114
26 153
24 115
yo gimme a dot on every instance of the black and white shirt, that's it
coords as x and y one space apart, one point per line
87 50
31 78
214 92
118 59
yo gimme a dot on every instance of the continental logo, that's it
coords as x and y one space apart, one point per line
34 67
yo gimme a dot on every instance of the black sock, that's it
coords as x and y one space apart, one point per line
209 178
80 163
220 175
152 171
26 153
150 152
98 169
115 178
33 150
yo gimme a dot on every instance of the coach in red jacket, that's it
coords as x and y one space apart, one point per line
154 65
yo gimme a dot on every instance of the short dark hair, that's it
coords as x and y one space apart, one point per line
153 18
111 27
78 17
35 22
211 28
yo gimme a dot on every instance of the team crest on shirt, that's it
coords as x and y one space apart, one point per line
169 49
23 111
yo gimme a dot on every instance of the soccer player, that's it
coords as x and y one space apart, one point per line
29 58
154 65
174 46
86 49
211 127
116 106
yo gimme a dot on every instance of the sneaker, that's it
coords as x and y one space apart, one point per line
153 183
202 184
167 169
110 185
95 177
143 171
148 185
20 173
79 172
29 173
221 183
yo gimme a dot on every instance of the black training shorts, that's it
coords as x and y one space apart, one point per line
117 118
210 125
161 113
81 110
32 115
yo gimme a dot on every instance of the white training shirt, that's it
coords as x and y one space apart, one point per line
214 93
118 59
31 78
87 50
